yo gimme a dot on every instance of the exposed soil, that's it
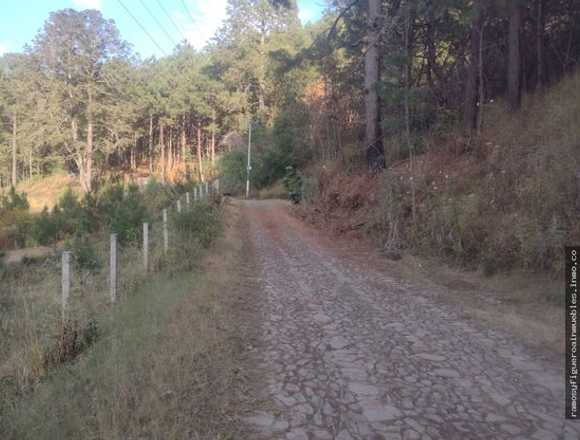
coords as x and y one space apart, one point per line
351 349
16 256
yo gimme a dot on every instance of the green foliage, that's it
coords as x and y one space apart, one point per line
46 228
270 166
89 335
68 213
85 254
233 171
202 223
13 201
194 230
115 209
293 184
273 151
512 206
157 196
123 212
88 221
15 220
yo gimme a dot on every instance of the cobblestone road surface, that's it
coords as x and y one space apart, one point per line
350 353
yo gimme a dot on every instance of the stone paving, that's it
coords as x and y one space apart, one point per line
350 353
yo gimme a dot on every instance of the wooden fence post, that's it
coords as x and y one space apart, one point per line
187 199
146 246
165 232
178 205
206 189
113 269
65 283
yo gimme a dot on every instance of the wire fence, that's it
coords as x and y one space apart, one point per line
53 308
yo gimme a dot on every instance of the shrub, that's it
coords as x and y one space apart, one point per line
202 223
123 213
270 166
85 254
14 201
293 184
15 226
45 228
67 213
89 214
15 220
157 196
233 169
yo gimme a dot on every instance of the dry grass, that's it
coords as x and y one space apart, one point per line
501 205
526 305
18 255
46 191
30 308
165 365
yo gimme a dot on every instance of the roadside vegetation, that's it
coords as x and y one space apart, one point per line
112 371
462 153
507 201
415 131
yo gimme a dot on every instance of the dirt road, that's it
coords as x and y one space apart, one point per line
348 352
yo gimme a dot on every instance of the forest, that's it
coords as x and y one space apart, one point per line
369 86
414 287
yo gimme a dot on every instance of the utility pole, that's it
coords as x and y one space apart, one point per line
249 158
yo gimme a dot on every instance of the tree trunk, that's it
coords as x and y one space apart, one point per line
150 143
540 45
480 80
373 135
162 147
431 49
213 146
89 151
409 36
78 154
134 152
199 155
14 148
262 72
183 142
170 152
471 94
514 59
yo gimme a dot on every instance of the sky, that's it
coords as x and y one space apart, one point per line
197 20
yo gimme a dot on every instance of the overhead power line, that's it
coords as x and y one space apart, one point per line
187 11
171 19
169 37
142 27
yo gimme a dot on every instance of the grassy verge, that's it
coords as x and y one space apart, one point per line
519 303
164 365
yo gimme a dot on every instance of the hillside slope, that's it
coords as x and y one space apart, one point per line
504 201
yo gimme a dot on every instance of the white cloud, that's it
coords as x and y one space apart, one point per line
208 16
87 4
